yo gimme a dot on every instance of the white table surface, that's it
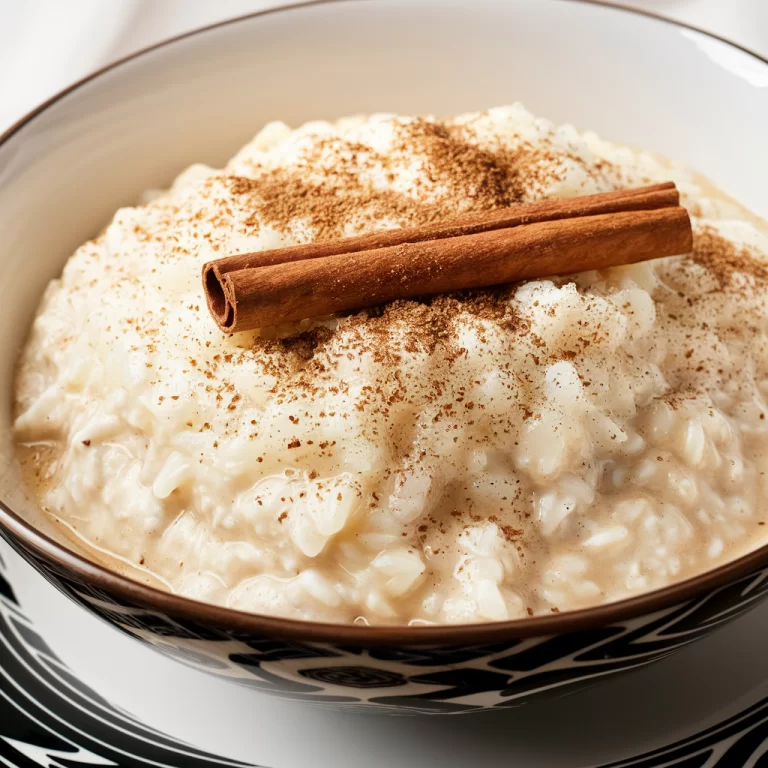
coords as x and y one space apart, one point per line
47 44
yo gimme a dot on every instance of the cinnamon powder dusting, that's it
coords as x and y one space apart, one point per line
332 183
724 259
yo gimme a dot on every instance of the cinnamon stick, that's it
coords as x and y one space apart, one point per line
525 241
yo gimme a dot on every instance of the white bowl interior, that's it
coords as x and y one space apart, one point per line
629 77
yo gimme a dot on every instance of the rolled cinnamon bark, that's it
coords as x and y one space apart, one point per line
531 240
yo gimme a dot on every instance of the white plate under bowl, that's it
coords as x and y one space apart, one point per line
630 77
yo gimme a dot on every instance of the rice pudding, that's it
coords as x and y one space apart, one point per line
495 454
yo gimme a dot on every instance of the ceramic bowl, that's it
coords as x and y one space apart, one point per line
67 166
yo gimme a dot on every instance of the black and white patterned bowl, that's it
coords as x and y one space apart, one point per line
68 165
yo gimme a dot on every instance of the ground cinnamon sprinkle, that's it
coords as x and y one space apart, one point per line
723 259
458 176
510 533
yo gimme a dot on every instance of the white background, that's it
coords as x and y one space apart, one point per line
47 44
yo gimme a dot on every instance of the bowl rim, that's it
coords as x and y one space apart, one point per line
149 597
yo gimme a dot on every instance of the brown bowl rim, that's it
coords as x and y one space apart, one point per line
186 608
